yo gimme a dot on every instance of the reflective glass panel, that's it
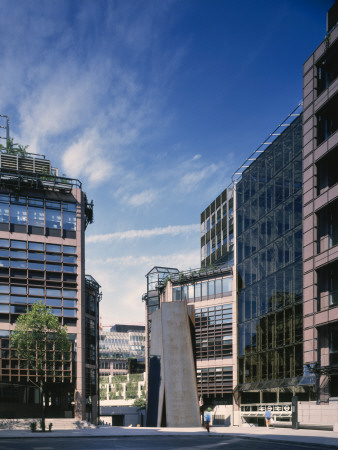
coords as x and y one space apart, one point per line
54 292
53 219
17 299
36 266
36 216
69 259
53 302
69 221
52 204
18 254
66 206
18 290
53 267
18 214
19 264
35 246
53 248
69 293
4 213
198 290
69 249
69 269
18 244
35 202
36 256
53 258
227 284
176 294
69 312
69 303
4 298
36 291
211 287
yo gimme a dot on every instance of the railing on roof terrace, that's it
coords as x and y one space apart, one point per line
194 274
38 180
91 282
17 152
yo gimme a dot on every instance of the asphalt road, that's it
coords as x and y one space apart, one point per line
206 442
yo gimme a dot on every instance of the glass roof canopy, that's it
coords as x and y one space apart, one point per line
158 274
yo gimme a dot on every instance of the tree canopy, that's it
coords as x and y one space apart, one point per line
40 340
42 346
140 403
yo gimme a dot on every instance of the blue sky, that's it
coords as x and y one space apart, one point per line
152 104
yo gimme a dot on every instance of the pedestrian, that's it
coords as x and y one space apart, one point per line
267 417
207 418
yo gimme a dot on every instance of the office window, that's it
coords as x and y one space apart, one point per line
69 220
18 214
53 219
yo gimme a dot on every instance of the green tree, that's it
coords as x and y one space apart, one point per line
42 345
140 403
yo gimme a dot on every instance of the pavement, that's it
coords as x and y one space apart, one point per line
326 439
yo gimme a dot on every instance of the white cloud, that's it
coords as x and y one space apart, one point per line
85 157
182 261
191 180
197 156
172 230
141 198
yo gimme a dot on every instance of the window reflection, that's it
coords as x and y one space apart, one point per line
18 214
53 219
36 216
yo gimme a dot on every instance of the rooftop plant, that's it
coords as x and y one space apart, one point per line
13 148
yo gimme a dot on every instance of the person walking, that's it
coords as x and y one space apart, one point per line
267 415
207 418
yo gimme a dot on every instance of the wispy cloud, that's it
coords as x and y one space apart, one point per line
85 157
172 230
141 198
191 180
182 261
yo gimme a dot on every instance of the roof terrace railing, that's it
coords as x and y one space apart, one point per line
38 180
191 275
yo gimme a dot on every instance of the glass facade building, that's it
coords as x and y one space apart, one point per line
269 263
217 231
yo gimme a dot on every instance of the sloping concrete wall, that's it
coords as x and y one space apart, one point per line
181 398
172 393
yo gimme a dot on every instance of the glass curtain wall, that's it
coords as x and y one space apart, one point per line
269 252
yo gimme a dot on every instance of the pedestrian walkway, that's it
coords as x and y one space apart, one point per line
308 437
